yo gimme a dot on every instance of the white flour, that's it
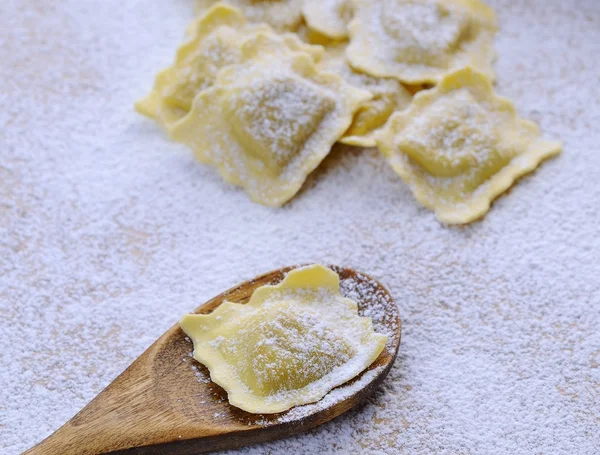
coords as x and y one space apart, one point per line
104 222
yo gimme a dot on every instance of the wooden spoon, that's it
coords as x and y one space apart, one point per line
165 402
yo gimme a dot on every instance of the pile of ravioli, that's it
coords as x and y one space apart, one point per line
262 90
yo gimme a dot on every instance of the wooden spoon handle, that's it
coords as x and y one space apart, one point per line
62 442
128 413
107 423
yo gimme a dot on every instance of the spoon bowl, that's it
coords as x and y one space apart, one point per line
165 402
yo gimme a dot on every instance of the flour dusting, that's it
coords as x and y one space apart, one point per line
104 222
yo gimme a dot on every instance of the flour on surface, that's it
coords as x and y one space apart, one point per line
103 220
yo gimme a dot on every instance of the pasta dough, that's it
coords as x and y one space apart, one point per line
216 40
289 345
388 96
282 15
214 44
328 17
459 146
266 108
269 121
418 41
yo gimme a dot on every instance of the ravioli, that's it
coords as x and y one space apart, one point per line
328 17
418 41
216 41
459 146
214 44
388 96
289 345
269 121
282 15
311 36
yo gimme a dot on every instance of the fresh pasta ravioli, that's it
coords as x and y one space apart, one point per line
388 96
214 44
418 41
289 345
216 41
459 146
328 17
282 15
269 121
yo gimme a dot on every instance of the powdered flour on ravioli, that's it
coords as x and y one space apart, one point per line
216 41
289 345
418 41
282 15
459 146
269 121
388 96
276 116
328 17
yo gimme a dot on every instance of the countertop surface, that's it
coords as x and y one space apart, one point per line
109 233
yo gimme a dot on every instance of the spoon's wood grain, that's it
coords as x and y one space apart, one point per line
159 406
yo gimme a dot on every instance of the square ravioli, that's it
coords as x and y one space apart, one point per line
388 96
459 146
216 41
289 345
282 15
269 121
418 41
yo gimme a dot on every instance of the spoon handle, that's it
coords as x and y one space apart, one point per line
113 420
130 413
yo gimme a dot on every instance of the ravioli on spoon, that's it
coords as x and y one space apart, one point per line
289 345
165 403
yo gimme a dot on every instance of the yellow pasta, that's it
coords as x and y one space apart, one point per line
459 146
216 41
289 345
388 96
282 15
269 121
328 17
418 41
